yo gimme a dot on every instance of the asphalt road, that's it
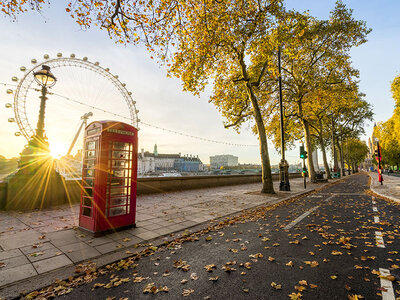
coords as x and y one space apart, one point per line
322 246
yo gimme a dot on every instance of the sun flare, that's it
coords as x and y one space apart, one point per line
57 150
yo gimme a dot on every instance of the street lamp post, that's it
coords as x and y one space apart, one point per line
38 146
45 79
283 165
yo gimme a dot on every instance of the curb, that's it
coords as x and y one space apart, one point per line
380 195
14 290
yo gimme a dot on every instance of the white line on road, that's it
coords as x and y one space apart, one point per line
376 219
329 198
374 209
294 222
386 285
379 239
373 202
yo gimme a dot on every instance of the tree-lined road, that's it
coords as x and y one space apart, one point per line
332 244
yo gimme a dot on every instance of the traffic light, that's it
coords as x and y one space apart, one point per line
303 153
377 151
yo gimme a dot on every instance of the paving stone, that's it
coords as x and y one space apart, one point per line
153 226
147 235
137 230
21 239
130 241
14 262
38 247
119 235
10 253
80 255
15 274
43 254
109 247
79 246
52 263
164 231
99 241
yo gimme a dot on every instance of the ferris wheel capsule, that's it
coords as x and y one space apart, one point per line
22 68
130 93
124 84
59 54
85 58
11 120
46 56
14 78
96 63
17 133
8 105
107 69
137 111
72 55
116 76
134 102
138 120
9 91
33 60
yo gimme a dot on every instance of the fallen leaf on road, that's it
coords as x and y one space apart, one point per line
303 282
187 292
333 277
335 252
208 238
295 296
289 264
271 259
299 288
139 279
313 286
2 265
213 278
183 281
276 286
194 276
209 267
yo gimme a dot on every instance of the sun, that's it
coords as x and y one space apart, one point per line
57 150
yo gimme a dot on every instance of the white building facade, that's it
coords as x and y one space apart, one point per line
224 160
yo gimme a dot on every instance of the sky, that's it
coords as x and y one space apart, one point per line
160 100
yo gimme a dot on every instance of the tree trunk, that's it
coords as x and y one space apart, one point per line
340 155
334 156
267 186
322 144
307 138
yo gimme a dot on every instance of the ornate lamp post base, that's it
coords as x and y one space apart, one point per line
284 176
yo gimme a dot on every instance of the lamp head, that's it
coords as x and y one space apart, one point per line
44 77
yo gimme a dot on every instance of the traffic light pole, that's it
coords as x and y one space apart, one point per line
303 155
304 173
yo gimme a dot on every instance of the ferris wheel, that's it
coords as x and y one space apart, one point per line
81 86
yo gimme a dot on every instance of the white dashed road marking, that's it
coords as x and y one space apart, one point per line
294 222
373 202
375 209
386 285
376 219
379 239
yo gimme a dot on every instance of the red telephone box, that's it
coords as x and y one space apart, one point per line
108 198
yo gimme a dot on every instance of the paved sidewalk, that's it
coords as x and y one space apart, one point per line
39 246
390 187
